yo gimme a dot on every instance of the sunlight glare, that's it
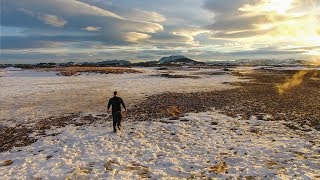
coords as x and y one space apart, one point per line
279 6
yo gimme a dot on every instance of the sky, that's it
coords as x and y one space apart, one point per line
35 31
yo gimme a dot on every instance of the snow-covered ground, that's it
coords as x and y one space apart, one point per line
198 145
27 95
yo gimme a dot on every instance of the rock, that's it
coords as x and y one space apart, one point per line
260 116
220 168
291 126
174 118
85 170
254 130
108 166
280 116
214 123
6 163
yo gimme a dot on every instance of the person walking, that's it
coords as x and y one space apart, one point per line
116 103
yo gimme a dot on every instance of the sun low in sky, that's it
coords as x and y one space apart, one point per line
144 30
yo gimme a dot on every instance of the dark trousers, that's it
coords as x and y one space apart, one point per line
116 120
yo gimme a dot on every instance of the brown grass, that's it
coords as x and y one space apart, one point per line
73 71
172 111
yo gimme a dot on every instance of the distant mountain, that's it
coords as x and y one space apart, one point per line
146 63
178 60
115 62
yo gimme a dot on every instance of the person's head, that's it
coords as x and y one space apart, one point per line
115 93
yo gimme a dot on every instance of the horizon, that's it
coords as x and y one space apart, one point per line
143 61
43 31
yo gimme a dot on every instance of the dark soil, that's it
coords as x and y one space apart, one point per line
15 137
259 96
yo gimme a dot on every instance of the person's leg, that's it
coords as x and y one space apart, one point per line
114 117
119 121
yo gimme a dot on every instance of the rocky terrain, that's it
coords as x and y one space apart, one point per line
258 97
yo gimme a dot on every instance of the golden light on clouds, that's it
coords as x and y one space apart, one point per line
292 22
135 36
279 6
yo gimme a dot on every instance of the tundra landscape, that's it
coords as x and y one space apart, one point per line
188 89
182 122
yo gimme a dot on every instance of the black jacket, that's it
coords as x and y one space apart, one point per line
116 103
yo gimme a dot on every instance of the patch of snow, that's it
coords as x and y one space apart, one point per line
191 148
29 98
18 72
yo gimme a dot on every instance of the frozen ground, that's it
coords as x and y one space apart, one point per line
198 145
28 95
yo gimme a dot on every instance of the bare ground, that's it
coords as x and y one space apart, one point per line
258 97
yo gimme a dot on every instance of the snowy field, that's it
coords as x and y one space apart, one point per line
198 145
27 95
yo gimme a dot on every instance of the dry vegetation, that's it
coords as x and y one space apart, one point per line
73 71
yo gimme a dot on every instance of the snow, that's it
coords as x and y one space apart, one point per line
18 72
185 148
41 94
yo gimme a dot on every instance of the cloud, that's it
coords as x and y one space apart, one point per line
128 13
264 21
141 15
52 20
128 29
92 28
74 16
224 7
171 37
135 37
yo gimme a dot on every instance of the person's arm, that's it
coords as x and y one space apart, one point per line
109 104
123 105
